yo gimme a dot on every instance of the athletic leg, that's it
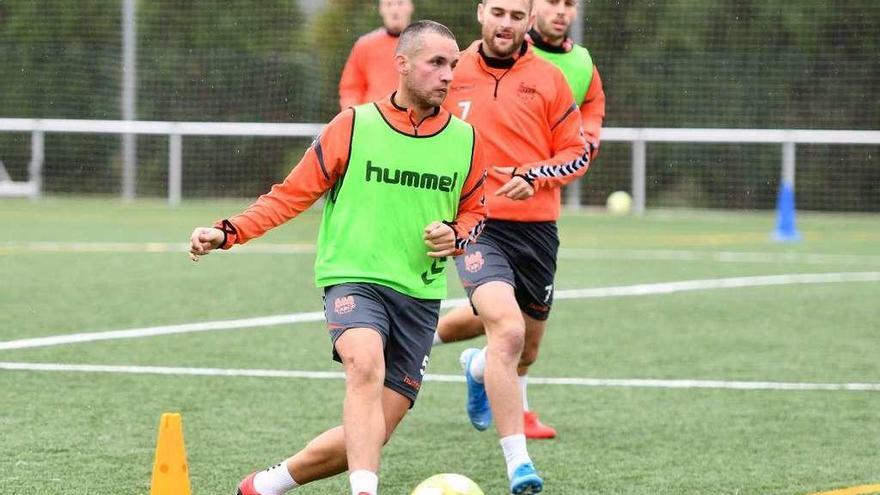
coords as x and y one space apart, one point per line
325 455
532 426
459 324
505 330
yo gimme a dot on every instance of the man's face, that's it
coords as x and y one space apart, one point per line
395 14
505 23
554 17
429 70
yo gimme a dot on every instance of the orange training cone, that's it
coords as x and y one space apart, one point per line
170 472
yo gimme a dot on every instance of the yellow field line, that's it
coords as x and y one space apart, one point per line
856 490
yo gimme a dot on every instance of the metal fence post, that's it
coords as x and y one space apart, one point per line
786 223
35 167
175 169
788 163
128 97
638 176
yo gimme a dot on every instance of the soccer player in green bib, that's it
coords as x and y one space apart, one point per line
403 180
550 41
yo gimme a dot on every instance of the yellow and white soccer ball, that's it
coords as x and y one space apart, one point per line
619 203
447 484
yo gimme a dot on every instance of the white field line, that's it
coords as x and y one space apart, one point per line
717 256
564 253
594 293
207 326
330 375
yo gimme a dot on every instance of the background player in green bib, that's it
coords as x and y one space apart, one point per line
403 180
549 39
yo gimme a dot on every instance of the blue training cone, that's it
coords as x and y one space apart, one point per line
786 230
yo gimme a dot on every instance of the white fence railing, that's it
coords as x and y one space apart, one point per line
639 137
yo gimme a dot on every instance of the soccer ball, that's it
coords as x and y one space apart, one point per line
447 484
619 203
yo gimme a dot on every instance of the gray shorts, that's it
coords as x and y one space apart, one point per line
522 254
405 323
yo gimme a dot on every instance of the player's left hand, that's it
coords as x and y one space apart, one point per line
516 188
440 239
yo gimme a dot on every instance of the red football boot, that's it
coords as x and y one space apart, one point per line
246 487
534 428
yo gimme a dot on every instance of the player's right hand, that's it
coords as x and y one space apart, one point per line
203 240
517 188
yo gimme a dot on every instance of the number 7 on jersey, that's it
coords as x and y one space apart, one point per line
465 109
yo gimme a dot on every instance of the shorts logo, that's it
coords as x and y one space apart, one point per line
473 262
344 305
541 308
412 382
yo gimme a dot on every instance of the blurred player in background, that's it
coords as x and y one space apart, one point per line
397 206
370 72
550 40
524 109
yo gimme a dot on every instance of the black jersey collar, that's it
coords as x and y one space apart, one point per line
502 63
404 109
539 42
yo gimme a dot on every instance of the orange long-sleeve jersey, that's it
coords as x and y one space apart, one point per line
370 72
524 110
325 162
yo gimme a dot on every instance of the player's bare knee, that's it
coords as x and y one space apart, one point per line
497 322
507 341
362 368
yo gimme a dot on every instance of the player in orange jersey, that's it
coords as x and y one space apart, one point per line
549 40
524 109
370 73
403 180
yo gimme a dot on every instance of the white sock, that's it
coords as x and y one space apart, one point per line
523 384
478 365
274 481
515 453
363 481
437 339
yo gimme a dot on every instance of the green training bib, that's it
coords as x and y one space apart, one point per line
393 187
576 65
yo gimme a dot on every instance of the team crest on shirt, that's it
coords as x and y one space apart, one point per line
473 262
344 305
527 92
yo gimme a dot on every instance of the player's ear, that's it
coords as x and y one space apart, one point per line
480 8
402 62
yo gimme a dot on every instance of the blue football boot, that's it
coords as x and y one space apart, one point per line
525 480
478 409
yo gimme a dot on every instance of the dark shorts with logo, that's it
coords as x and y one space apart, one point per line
522 254
405 323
